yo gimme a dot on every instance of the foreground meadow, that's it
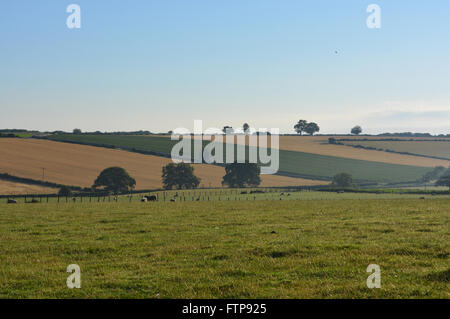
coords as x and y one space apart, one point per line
228 249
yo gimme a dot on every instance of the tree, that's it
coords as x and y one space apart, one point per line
76 131
227 130
356 130
65 191
300 126
312 128
437 172
342 180
444 181
115 179
179 176
242 175
245 128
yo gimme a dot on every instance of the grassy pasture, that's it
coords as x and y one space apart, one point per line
261 249
292 163
429 148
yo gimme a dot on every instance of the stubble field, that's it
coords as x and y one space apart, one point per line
79 165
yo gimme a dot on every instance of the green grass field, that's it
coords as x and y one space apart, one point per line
294 164
224 195
228 249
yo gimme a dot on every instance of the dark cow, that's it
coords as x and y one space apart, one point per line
151 198
12 201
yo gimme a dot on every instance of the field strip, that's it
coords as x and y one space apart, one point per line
319 145
420 148
14 188
79 165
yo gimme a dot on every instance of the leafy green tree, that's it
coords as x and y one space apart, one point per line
312 128
437 172
300 126
180 176
242 175
245 128
115 179
65 191
76 131
342 180
444 181
356 130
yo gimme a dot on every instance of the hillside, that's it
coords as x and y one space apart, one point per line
305 161
79 165
13 188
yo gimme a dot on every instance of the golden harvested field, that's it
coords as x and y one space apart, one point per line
319 145
12 188
430 148
79 165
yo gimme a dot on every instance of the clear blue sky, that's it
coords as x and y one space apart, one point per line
158 65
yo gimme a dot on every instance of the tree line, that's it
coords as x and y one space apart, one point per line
117 180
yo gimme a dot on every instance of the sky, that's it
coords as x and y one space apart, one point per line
160 65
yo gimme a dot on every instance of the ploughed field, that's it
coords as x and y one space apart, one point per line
227 249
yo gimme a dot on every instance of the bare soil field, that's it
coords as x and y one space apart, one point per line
320 145
12 188
79 165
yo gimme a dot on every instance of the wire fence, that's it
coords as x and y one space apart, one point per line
160 196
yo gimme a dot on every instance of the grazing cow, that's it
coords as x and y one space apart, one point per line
12 201
144 199
172 199
289 194
152 198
